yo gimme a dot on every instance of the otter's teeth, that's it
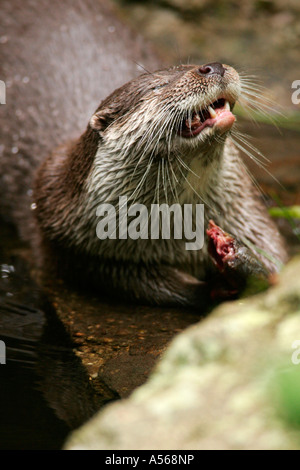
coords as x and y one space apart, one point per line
212 112
227 105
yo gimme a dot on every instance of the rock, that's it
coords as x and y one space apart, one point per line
227 382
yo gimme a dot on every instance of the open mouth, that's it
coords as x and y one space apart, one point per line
217 114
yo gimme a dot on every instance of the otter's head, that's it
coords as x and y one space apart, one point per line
178 109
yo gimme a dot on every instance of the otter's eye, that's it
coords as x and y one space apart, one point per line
158 87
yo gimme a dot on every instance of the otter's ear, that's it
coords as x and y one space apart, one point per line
100 120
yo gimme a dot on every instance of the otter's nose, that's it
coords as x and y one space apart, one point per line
211 69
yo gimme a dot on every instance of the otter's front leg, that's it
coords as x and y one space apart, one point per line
236 271
239 268
161 285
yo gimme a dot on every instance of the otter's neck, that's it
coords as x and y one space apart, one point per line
60 182
204 172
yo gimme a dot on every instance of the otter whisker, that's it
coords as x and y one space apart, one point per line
155 132
246 150
149 139
191 186
135 194
259 102
172 182
243 138
186 166
219 139
254 180
164 180
257 161
156 191
137 190
253 96
142 67
119 208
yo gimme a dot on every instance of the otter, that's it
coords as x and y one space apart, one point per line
163 137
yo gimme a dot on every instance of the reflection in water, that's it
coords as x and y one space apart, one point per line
44 389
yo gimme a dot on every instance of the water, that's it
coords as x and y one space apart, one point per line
45 391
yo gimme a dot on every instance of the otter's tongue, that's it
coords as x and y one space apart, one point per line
217 115
223 120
